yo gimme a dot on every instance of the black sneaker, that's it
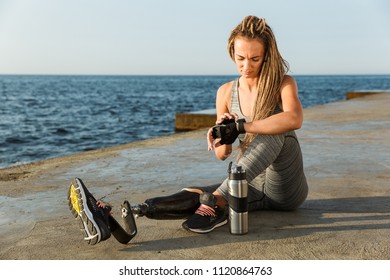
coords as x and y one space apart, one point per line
208 216
93 220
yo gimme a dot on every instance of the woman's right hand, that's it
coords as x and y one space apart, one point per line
213 143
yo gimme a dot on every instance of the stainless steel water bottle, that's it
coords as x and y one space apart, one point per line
238 200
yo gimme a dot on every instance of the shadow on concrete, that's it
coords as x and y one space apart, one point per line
318 215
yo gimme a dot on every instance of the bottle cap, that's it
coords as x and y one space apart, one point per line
236 172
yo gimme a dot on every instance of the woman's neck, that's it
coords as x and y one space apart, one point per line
248 84
247 95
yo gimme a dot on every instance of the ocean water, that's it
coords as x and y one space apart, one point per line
48 116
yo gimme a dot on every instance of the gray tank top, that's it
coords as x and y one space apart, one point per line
235 103
235 106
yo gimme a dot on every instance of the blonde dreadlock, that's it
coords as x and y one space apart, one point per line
272 72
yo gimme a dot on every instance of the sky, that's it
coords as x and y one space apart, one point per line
178 37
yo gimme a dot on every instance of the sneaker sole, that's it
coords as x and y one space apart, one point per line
196 230
78 206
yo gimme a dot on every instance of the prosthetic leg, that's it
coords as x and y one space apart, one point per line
176 206
97 223
179 205
123 235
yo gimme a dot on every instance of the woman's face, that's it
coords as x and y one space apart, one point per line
248 56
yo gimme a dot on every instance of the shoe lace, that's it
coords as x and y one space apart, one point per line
205 210
103 212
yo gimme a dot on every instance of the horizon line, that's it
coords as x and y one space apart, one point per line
200 75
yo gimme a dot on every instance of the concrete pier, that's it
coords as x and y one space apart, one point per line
346 152
195 120
361 93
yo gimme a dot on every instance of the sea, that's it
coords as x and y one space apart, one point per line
46 116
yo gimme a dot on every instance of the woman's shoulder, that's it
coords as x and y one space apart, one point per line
225 89
287 79
224 95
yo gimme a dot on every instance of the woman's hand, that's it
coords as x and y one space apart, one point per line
226 116
213 143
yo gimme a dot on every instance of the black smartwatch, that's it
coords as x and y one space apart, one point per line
240 125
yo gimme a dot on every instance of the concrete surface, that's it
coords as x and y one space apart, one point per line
346 151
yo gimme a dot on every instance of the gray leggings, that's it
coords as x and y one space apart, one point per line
275 175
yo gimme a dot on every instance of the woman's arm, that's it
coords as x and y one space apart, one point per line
222 108
290 119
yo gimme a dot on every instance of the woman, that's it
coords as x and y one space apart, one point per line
262 109
264 102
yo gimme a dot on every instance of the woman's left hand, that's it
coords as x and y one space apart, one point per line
226 116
